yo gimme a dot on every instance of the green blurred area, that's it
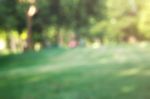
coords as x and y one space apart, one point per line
112 72
74 49
36 24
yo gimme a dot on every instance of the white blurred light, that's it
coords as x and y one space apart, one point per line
2 45
143 44
32 10
37 47
96 45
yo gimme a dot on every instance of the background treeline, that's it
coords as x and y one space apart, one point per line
27 24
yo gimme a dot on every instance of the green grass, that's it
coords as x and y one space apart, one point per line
112 72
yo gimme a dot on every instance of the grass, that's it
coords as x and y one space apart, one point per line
111 72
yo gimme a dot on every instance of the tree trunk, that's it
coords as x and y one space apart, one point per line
59 40
29 42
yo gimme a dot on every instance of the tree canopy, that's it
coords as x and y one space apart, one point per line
107 20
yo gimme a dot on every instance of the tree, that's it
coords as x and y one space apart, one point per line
120 22
69 14
8 14
143 19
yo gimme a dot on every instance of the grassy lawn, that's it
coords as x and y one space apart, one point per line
112 72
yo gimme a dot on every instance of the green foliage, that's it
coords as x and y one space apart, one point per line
8 14
110 20
144 22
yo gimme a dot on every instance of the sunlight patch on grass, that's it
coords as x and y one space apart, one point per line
34 79
130 72
127 89
120 57
146 72
53 68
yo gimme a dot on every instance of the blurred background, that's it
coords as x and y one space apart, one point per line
36 24
54 48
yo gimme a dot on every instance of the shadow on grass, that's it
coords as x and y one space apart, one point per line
29 58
